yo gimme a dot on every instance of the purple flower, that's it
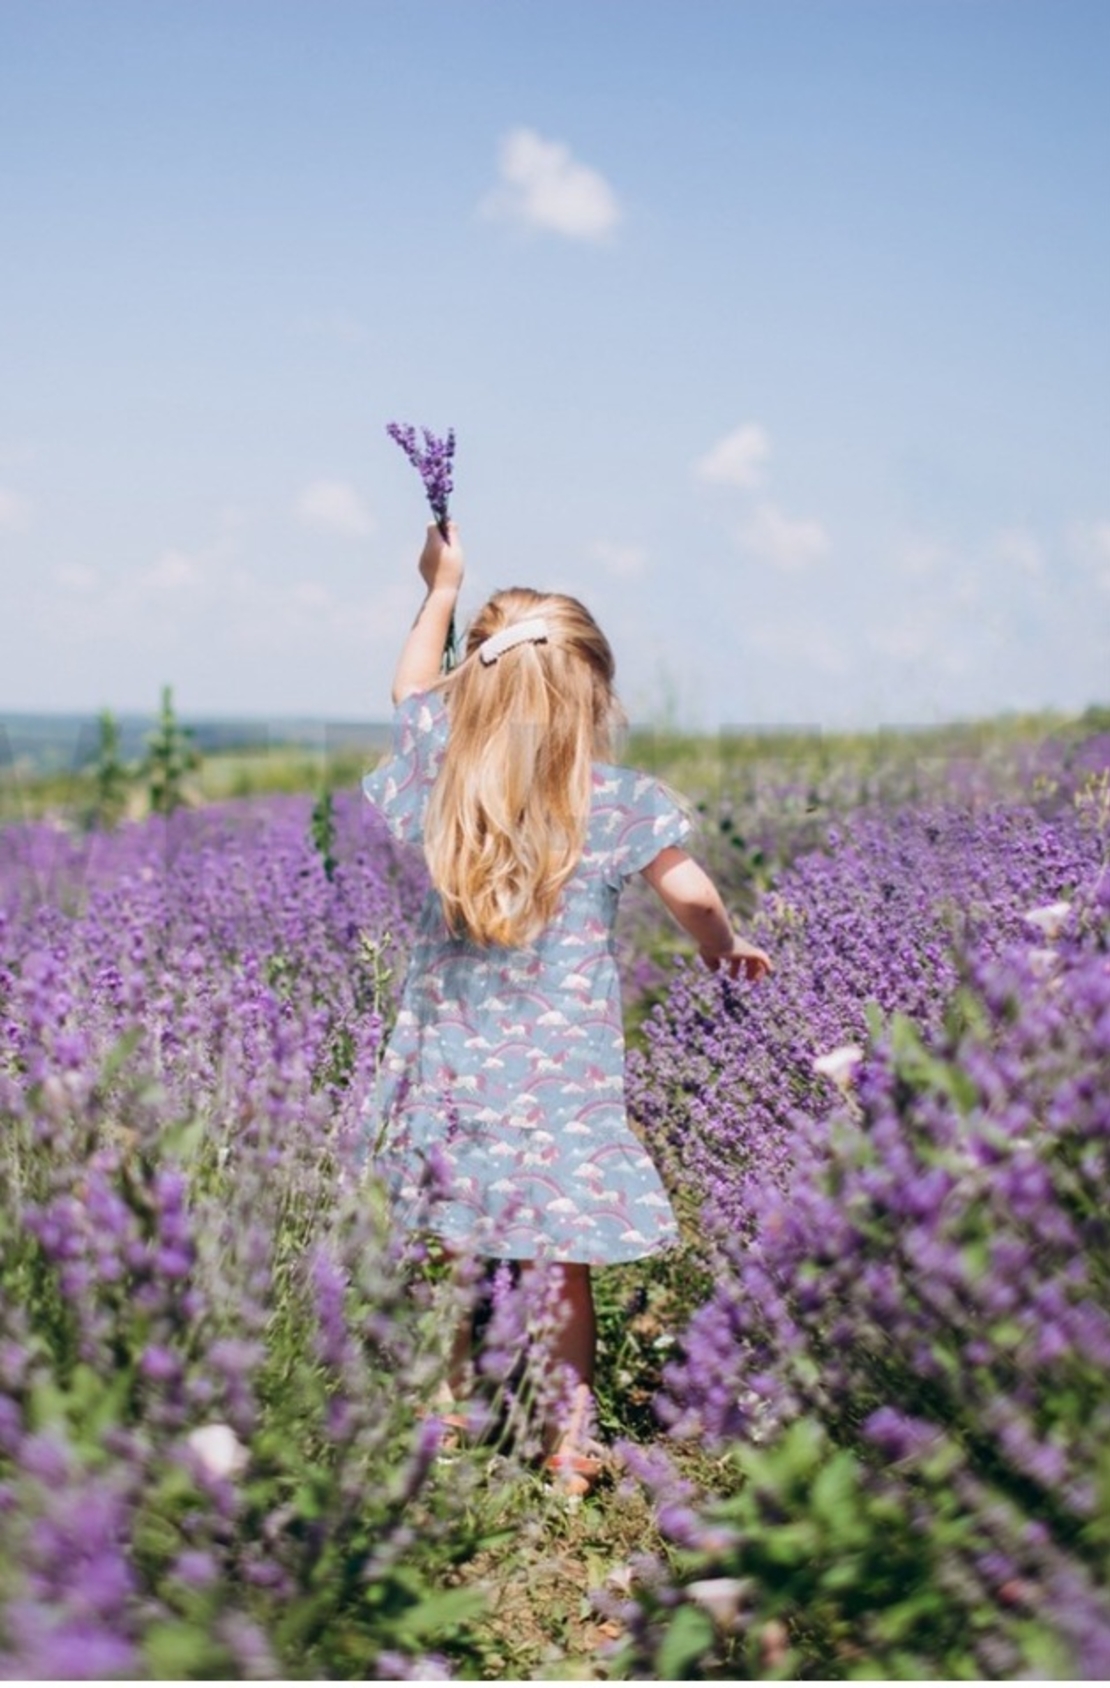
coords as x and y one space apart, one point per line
433 464
160 1365
196 1568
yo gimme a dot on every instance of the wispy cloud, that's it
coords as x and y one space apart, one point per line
78 578
335 507
740 459
1090 542
624 561
339 325
1017 548
15 512
767 533
543 186
782 541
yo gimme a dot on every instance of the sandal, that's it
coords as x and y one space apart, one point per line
578 1460
575 1474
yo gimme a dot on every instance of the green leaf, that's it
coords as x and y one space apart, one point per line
48 1404
897 1623
792 1544
876 1019
96 1404
119 1055
689 1637
179 1651
183 1138
919 1066
835 1500
439 1615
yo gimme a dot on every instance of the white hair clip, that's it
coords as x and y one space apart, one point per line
521 631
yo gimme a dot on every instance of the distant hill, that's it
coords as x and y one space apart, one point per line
61 743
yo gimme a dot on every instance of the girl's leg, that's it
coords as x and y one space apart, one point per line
573 1345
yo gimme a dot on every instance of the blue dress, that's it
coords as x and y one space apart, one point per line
499 1115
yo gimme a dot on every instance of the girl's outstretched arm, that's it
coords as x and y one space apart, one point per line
695 902
441 567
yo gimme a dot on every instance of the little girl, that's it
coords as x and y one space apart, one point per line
505 1069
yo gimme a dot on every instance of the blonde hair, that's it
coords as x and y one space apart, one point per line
506 820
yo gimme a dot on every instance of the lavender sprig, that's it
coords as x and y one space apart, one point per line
433 464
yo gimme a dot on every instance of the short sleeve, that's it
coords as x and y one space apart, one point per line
646 817
399 787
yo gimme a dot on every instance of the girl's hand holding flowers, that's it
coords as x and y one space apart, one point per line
442 564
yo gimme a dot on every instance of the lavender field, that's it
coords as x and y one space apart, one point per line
863 1416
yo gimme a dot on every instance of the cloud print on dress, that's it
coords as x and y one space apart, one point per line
543 186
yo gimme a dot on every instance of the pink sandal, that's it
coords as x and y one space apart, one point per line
575 1473
578 1461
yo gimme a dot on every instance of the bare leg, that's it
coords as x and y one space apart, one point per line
456 1385
459 1368
575 1343
572 1348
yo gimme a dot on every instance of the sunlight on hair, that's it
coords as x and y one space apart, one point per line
506 820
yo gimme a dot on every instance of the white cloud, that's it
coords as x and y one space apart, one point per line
812 646
174 571
918 558
624 561
782 541
1017 548
77 578
192 579
15 512
543 186
1090 542
739 459
335 507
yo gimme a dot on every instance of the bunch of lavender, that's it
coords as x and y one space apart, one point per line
433 464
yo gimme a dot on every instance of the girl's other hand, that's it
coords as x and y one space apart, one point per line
755 962
441 562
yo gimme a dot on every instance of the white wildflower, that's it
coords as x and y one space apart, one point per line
1049 920
218 1449
721 1597
840 1064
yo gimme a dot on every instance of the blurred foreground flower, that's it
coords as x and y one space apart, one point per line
218 1449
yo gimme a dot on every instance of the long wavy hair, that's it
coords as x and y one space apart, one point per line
506 820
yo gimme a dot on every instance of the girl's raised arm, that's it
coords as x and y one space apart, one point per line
441 567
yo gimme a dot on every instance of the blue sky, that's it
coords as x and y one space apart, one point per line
774 329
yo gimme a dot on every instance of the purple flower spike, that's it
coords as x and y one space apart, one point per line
433 464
